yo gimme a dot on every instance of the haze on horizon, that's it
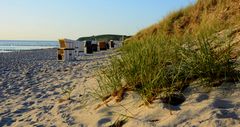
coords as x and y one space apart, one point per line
53 19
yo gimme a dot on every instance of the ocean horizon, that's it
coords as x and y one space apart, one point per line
21 45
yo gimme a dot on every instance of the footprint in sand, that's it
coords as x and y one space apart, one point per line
223 114
21 110
202 97
103 121
6 121
27 104
222 104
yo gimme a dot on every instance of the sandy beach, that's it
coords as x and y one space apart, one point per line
33 82
33 87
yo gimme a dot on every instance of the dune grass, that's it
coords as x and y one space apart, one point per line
165 58
189 20
160 66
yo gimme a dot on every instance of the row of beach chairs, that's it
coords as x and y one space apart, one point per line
69 49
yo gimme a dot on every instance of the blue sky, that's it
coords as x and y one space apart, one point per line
53 19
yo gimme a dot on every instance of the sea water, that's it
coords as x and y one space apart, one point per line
13 45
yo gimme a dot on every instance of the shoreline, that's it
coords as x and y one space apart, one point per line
20 50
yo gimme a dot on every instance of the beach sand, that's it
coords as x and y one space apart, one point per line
32 86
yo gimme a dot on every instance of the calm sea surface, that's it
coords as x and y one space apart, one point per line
12 45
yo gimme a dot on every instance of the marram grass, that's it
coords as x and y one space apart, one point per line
166 57
159 66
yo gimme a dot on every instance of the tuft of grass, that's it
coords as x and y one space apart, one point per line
207 63
109 80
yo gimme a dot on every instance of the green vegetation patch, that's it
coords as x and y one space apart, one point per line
161 61
106 37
